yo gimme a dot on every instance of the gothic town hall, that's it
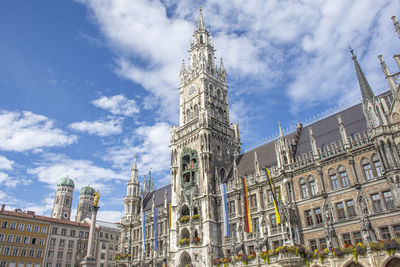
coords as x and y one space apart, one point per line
327 194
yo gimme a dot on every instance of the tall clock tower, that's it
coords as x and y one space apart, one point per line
203 149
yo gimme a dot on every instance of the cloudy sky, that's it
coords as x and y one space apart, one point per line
84 85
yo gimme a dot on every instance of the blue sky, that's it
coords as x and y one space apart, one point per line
85 85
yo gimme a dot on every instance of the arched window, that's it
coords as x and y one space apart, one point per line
333 179
196 111
377 165
185 211
219 151
188 115
218 93
312 185
209 58
195 211
303 188
201 39
344 178
211 89
366 165
194 59
222 173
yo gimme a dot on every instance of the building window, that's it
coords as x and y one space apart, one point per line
63 231
9 238
334 180
72 233
385 233
253 201
6 251
13 225
357 238
29 227
378 165
367 169
44 229
351 209
23 252
318 216
346 239
31 252
71 244
52 242
15 251
232 208
270 197
17 239
322 243
60 255
36 228
343 177
273 221
308 217
340 211
54 230
304 188
376 201
69 255
39 253
313 245
396 231
256 225
313 187
387 196
41 241
62 243
26 239
34 239
4 224
103 246
233 229
21 226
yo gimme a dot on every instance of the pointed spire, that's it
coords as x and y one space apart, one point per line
280 130
200 24
183 67
221 64
135 163
134 172
144 184
256 164
366 90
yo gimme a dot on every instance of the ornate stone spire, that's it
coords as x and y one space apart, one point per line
200 24
366 90
134 172
280 130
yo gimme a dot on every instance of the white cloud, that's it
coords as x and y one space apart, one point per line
152 149
22 131
55 166
117 105
5 164
300 48
100 127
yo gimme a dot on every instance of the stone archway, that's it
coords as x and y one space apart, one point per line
391 262
185 260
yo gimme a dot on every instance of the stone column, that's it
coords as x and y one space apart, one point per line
89 260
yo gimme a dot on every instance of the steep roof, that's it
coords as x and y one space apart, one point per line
158 197
326 131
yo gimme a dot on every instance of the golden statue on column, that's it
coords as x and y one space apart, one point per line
96 198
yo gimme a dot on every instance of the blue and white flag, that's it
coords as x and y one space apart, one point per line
144 230
225 210
155 225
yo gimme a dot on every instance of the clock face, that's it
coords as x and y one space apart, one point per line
192 90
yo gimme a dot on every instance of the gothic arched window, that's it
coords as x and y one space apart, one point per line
333 179
344 178
222 173
366 165
377 165
218 93
303 188
211 89
188 115
196 111
312 185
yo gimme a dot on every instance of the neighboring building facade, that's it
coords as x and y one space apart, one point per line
337 181
23 239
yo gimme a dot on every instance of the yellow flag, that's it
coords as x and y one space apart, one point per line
278 217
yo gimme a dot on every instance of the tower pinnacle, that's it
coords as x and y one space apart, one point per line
366 90
200 24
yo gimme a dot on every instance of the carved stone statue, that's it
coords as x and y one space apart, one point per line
96 196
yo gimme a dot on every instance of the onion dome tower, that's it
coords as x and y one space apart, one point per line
85 202
63 200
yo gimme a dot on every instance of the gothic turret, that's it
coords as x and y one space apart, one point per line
282 150
132 198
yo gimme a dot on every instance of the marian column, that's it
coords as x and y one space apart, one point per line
89 260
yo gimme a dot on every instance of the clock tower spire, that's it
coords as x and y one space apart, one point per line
203 148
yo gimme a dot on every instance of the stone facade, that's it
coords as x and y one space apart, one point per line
336 181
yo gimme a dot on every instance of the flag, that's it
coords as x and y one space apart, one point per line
278 217
247 214
155 225
144 230
225 210
169 215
